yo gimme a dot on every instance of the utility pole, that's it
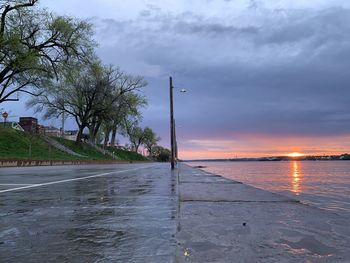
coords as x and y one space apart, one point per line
172 134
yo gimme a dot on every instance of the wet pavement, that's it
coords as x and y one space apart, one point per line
226 221
145 213
101 213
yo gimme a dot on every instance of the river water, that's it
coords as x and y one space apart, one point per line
325 184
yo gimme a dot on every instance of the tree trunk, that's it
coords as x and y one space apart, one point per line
80 134
105 142
114 135
137 148
91 134
97 128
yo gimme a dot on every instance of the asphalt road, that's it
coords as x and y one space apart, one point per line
95 213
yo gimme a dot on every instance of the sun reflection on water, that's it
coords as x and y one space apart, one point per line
296 177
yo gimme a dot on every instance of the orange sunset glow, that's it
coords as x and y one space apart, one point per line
295 154
263 146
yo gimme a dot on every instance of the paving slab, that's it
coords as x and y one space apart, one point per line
205 179
239 223
227 193
199 176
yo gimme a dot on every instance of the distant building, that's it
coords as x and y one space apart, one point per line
41 129
29 124
52 131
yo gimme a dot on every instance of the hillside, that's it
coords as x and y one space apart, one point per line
16 145
83 149
127 155
20 145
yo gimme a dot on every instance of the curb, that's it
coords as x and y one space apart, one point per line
29 163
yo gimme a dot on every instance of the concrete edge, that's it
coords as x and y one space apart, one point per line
29 163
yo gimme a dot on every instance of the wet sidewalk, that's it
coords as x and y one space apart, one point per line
146 213
225 221
113 213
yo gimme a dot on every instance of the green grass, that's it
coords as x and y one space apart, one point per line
127 155
83 149
15 145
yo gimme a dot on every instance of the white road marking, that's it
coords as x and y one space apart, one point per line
71 180
14 184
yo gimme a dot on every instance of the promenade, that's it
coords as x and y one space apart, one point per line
225 221
147 213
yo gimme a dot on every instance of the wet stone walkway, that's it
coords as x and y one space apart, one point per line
111 213
146 213
226 221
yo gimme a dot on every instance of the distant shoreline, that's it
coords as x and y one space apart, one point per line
343 157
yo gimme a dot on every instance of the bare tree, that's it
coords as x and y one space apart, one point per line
33 43
86 91
136 137
161 154
126 106
121 100
77 93
151 140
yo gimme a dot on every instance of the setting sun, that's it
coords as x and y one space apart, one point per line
295 154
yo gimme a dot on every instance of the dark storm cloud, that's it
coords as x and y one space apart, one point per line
284 72
209 29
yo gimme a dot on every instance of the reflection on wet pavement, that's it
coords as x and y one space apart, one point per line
128 217
296 177
233 222
311 244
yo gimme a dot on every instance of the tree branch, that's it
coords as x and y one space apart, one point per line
8 9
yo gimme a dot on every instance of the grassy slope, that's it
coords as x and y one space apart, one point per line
15 145
126 155
84 149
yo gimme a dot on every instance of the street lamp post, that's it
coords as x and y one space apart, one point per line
172 131
173 141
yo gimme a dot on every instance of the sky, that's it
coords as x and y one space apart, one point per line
263 77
